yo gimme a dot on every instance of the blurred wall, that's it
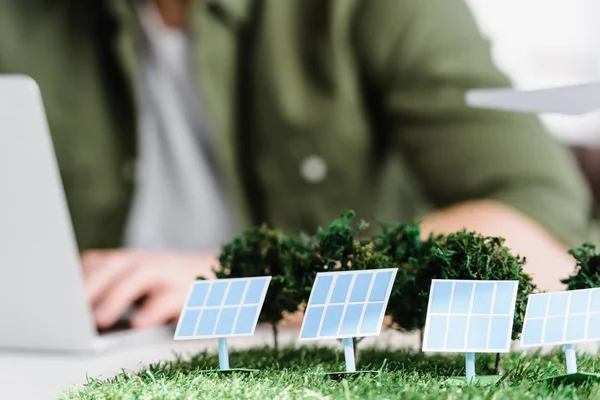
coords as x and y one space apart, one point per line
544 43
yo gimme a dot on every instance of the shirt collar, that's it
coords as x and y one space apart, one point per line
235 12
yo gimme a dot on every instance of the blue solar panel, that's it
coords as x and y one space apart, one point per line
470 316
562 318
247 320
484 295
347 304
595 301
222 308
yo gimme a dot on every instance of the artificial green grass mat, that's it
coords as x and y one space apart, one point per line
299 373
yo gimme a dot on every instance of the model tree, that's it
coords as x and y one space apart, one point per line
403 244
460 255
587 273
469 255
340 247
302 262
338 243
263 251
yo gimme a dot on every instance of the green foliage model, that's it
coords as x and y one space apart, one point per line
341 247
288 260
469 255
403 245
338 242
460 255
301 264
587 273
294 261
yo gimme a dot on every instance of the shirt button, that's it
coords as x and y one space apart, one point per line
313 169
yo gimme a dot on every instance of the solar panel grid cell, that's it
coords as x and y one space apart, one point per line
222 308
562 318
470 316
347 304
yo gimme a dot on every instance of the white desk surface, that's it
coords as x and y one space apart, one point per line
38 376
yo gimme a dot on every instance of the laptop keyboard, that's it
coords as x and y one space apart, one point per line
121 325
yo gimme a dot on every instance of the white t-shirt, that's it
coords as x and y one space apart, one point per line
179 203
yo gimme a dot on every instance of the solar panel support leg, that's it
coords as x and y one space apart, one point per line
470 366
571 358
223 354
349 355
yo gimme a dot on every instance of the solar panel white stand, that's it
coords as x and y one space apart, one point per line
346 305
470 316
563 318
470 366
349 355
222 308
571 358
223 353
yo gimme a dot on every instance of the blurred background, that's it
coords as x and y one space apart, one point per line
546 43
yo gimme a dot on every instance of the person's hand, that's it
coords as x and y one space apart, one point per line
116 279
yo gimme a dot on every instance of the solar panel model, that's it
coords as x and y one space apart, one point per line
563 318
470 316
345 305
220 309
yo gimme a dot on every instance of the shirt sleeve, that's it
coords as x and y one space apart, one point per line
419 59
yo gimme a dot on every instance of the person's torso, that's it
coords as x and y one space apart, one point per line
297 140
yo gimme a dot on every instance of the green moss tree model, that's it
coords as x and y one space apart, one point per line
340 247
469 255
587 272
402 243
302 262
460 255
294 261
338 243
264 251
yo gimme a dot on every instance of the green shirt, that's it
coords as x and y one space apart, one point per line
372 88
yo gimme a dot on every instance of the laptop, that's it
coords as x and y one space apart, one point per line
43 305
